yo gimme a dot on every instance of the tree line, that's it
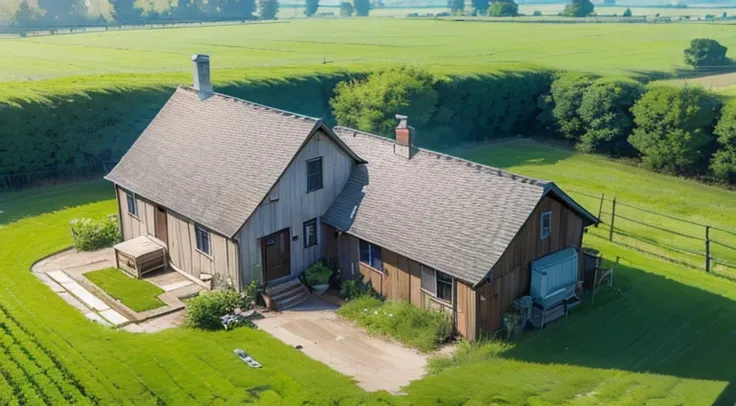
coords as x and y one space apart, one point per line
51 13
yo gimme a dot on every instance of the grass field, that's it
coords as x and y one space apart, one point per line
666 340
139 295
161 56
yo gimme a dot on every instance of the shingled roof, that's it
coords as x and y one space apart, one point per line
214 161
450 214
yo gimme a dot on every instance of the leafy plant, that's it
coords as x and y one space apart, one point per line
723 164
362 7
578 8
91 235
503 8
318 274
415 327
204 311
510 321
311 7
346 9
250 294
268 9
705 52
354 289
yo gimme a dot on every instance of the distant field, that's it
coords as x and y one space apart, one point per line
301 46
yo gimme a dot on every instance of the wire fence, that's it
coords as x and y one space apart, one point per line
684 241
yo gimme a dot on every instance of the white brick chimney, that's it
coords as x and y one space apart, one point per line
202 82
404 138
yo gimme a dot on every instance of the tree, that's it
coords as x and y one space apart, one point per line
504 8
311 7
362 7
560 107
268 9
627 12
578 8
723 164
480 7
371 104
605 111
456 6
706 52
674 127
59 11
346 9
240 8
25 16
125 11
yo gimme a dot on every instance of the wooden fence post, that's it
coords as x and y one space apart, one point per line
613 218
707 248
600 208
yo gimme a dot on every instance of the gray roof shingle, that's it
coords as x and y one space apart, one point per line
213 161
445 212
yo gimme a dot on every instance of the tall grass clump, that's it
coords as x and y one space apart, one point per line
466 354
410 325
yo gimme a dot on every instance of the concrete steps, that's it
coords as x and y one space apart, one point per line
287 294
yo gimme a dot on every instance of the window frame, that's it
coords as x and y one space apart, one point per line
435 279
545 232
372 248
310 174
201 234
307 242
131 197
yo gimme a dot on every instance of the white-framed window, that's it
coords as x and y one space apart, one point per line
371 255
545 225
310 233
132 204
203 239
437 284
314 174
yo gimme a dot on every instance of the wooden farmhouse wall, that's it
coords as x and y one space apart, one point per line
399 280
289 205
182 245
512 273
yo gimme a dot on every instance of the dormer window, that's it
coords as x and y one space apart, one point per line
314 174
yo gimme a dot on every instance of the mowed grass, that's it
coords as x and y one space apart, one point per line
162 56
139 295
584 176
666 340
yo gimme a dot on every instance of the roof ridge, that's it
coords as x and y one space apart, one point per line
498 171
254 104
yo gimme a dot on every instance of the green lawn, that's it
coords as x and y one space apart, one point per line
161 56
137 294
667 340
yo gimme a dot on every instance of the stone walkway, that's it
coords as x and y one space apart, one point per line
64 274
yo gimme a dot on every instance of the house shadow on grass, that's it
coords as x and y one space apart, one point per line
656 326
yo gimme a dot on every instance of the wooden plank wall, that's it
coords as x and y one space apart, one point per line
185 256
133 226
512 272
295 206
466 311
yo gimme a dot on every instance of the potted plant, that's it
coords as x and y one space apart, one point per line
318 277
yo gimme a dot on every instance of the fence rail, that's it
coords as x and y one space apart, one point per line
684 241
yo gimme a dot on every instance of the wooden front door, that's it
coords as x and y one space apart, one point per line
161 224
276 255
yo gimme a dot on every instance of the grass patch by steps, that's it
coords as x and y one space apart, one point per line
137 294
408 324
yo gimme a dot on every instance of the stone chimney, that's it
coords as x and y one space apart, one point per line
404 138
202 81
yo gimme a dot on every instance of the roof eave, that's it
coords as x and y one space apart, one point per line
559 193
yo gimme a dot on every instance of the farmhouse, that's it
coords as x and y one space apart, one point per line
238 192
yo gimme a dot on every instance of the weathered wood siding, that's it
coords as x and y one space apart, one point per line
512 273
184 255
182 245
466 310
135 226
295 206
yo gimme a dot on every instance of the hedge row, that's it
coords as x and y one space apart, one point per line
597 114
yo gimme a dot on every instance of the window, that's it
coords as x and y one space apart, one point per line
310 233
546 225
371 255
314 174
132 204
437 284
203 239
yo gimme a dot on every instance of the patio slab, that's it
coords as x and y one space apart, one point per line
375 364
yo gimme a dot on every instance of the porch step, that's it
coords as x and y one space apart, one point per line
287 294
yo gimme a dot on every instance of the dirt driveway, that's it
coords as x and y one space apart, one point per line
375 364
